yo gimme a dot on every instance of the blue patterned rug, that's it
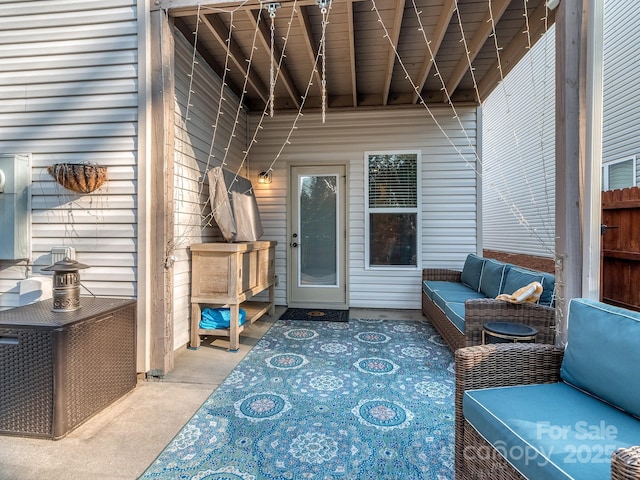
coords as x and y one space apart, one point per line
367 399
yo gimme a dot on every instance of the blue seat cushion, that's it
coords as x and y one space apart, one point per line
493 276
472 271
603 353
455 313
431 286
551 431
455 292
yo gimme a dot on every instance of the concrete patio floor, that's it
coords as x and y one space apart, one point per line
121 441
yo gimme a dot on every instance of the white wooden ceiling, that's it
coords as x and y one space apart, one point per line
362 67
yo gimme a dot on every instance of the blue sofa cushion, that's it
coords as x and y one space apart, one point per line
472 271
455 292
550 431
549 289
518 277
493 275
603 354
431 286
455 313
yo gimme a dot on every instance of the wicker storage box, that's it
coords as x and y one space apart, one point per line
59 369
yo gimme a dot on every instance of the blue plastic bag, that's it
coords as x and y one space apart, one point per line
213 318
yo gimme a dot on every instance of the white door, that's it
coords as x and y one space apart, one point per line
317 237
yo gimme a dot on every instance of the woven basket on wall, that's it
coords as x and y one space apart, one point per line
78 177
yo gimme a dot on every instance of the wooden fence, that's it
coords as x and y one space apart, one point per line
620 256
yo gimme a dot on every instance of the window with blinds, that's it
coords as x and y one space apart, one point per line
392 209
619 174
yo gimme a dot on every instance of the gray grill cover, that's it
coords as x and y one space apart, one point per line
234 206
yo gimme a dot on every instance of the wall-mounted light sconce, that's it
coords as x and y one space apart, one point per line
264 177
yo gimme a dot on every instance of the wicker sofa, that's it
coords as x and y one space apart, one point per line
543 412
459 303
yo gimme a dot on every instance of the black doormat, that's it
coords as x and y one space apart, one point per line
322 314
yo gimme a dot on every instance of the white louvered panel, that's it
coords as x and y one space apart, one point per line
109 274
122 259
68 91
71 32
86 216
52 202
97 230
35 64
117 86
621 117
345 137
519 157
25 15
621 82
78 73
102 245
44 104
83 45
111 289
74 117
77 146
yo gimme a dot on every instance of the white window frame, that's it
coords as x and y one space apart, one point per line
417 210
605 171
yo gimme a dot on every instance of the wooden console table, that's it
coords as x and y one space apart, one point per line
229 275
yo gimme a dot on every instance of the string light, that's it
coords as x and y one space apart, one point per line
271 8
193 64
325 8
511 123
324 5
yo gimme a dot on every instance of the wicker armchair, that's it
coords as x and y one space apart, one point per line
500 365
483 310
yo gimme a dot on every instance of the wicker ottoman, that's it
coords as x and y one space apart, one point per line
59 369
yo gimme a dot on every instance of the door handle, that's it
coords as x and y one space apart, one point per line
293 244
604 228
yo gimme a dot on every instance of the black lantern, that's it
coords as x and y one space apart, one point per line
66 284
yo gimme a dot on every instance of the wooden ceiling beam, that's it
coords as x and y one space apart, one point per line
516 49
394 36
237 56
485 29
438 35
352 53
206 55
309 43
264 33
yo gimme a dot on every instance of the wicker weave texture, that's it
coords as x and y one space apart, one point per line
625 464
498 365
483 310
101 365
56 374
26 382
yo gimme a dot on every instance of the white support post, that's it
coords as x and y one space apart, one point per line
593 199
578 153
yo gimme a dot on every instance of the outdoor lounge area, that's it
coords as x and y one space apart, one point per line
460 303
540 411
446 189
123 440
